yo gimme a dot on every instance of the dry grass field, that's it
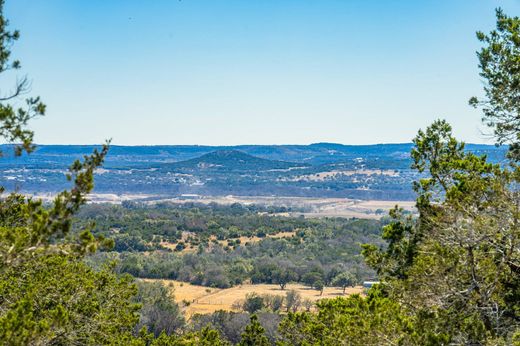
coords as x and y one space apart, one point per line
205 300
255 239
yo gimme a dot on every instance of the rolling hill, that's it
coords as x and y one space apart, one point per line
324 170
231 160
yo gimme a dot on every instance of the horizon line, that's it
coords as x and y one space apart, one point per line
242 145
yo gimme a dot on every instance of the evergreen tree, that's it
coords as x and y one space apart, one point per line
48 295
254 335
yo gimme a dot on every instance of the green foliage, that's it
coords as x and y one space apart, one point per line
312 278
355 320
253 303
204 337
344 280
282 276
159 313
456 267
402 237
254 335
231 325
325 246
47 294
319 285
55 299
449 276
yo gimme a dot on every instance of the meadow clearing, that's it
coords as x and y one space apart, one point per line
206 300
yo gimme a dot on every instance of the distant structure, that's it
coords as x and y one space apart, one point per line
190 196
368 284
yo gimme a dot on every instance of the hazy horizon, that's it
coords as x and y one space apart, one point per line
244 144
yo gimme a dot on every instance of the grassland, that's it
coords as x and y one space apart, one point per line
205 300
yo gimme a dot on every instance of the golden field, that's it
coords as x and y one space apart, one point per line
205 300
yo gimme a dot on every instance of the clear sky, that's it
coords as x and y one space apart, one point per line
251 72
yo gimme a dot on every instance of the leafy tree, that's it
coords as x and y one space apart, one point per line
456 267
204 337
232 324
13 120
254 335
282 276
312 278
344 280
319 286
253 303
47 294
54 299
159 312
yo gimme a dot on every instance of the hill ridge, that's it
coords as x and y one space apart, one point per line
233 159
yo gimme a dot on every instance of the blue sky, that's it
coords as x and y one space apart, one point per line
251 72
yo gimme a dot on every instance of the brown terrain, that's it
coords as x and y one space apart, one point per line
205 300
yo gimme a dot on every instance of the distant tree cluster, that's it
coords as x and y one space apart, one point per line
314 252
292 301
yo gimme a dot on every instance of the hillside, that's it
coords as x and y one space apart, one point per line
321 170
231 160
313 154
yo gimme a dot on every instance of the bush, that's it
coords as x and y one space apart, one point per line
253 303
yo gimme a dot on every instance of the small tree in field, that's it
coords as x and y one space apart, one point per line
283 276
319 286
344 280
253 303
293 300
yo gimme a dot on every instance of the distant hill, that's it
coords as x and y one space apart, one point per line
313 154
380 171
231 160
